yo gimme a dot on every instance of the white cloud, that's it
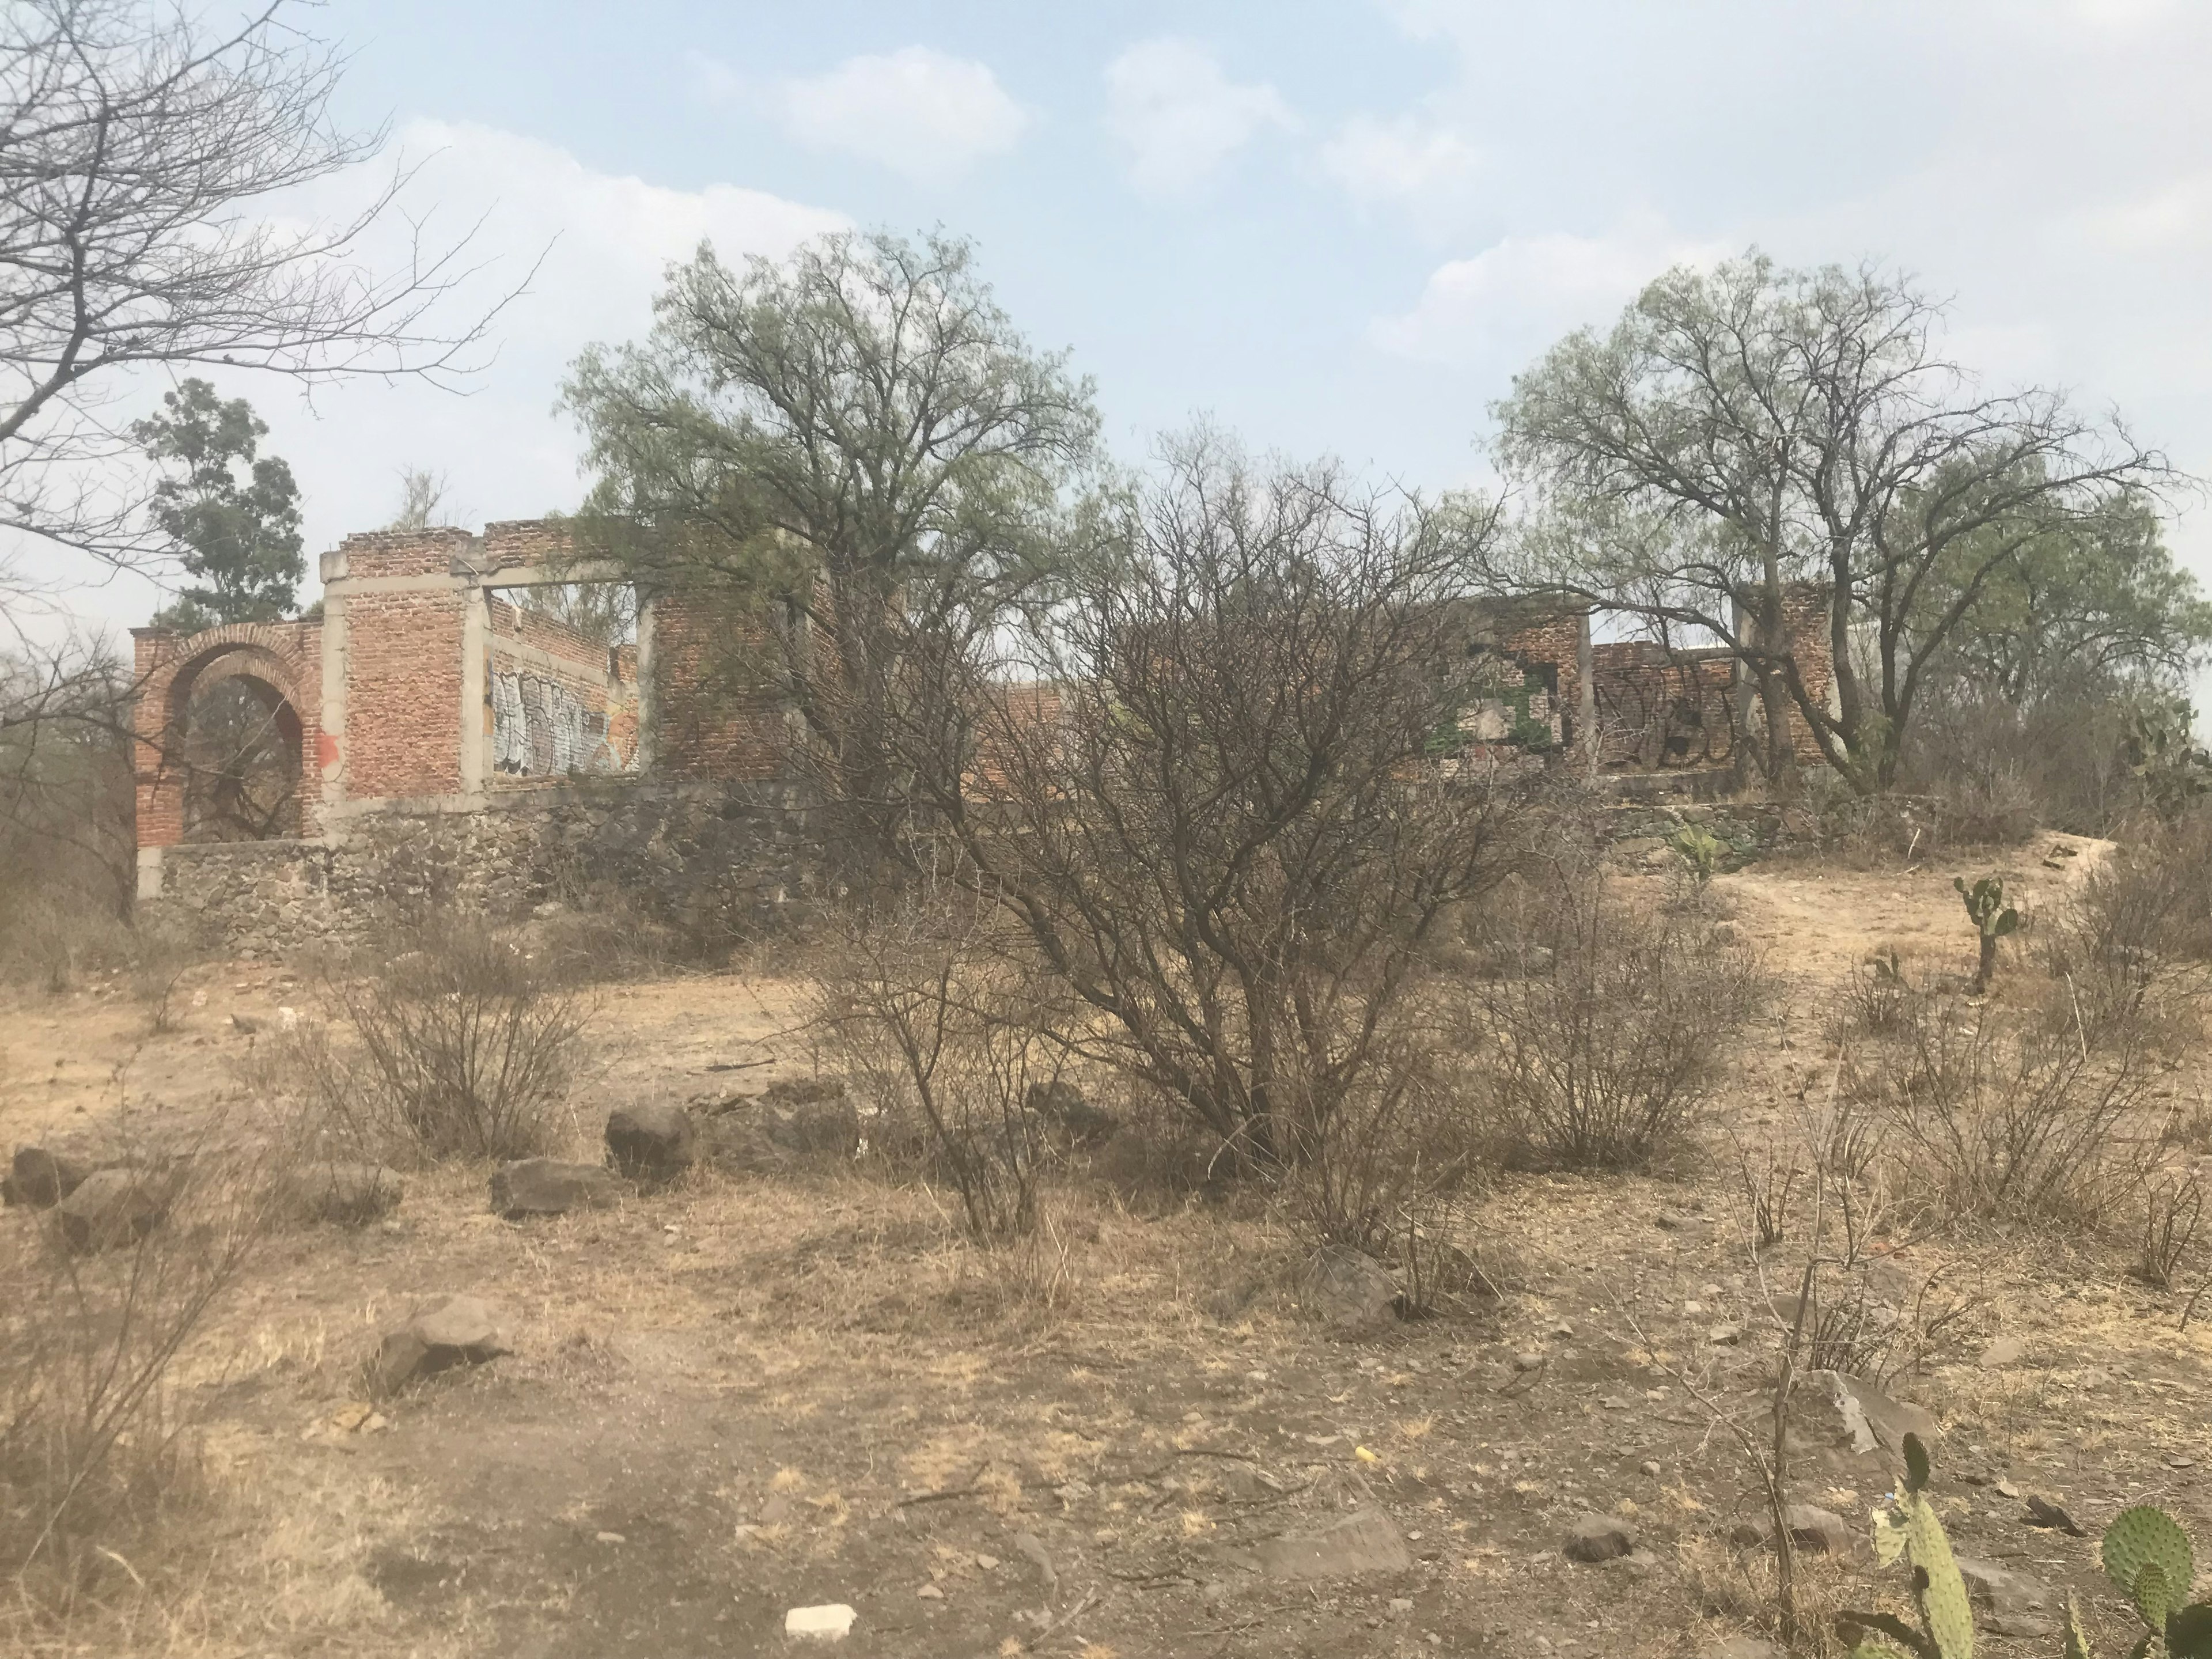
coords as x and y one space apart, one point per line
1428 169
1499 308
916 111
1180 119
606 238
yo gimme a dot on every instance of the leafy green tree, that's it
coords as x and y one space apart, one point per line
237 534
855 445
1748 437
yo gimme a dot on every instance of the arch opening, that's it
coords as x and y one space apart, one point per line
238 748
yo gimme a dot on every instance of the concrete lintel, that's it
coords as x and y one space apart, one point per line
149 872
539 575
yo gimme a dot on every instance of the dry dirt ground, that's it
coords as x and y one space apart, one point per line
747 1394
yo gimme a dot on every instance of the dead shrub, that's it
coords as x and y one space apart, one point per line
1878 1000
1608 1035
2172 1208
2135 941
461 1045
951 1044
97 1449
1992 1120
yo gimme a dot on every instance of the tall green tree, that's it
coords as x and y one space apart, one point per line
857 445
1748 439
231 515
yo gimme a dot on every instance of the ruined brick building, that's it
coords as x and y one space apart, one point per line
440 735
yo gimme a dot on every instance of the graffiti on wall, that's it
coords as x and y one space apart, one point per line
542 726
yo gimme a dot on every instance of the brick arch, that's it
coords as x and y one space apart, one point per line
283 659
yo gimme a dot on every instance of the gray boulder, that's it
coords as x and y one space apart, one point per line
1846 1415
39 1178
735 1145
1819 1531
1365 1543
440 1335
546 1186
348 1194
811 1115
653 1141
2011 1603
114 1206
1599 1538
1348 1289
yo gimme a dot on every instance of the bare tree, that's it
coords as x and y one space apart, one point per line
1752 452
421 499
1204 787
141 153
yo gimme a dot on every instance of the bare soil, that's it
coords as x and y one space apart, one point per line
745 1394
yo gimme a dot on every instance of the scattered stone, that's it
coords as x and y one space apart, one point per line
2004 1351
40 1179
830 1622
2005 1488
930 1593
1400 1606
734 1144
1563 1330
349 1195
546 1186
1028 1544
2041 1512
987 1562
1745 1647
1851 1415
609 1538
1725 1336
438 1336
1061 1104
1528 1362
1361 1543
811 1115
1348 1289
2013 1603
1818 1531
653 1141
1599 1538
114 1206
1650 1466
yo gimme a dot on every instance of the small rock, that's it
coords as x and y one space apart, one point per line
1348 1289
831 1622
1363 1543
1849 1414
2041 1512
2004 1351
1528 1361
1818 1531
245 1025
40 1179
2007 1489
114 1206
440 1335
609 1538
1725 1336
653 1140
987 1562
811 1115
1029 1545
1650 1466
546 1186
1599 1538
1400 1606
1563 1330
930 1593
1061 1104
2014 1603
349 1195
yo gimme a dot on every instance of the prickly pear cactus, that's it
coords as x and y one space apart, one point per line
1992 918
2148 1537
2077 1639
1911 1531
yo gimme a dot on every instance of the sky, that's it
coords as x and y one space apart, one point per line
1336 228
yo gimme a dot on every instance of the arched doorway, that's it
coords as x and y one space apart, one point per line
235 749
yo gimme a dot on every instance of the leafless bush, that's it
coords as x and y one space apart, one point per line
1610 1038
1991 1120
1769 1181
1878 999
97 1454
945 1037
2172 1209
2139 923
461 1045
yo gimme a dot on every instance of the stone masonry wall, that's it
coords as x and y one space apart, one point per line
727 862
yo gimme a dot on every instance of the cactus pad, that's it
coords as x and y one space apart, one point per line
2147 1535
1943 1605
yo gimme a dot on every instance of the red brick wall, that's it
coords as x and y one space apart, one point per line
403 692
711 719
